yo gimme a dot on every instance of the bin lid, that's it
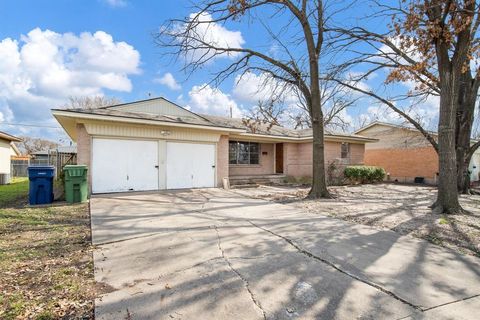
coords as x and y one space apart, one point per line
41 168
74 166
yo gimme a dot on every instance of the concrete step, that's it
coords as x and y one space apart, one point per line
256 180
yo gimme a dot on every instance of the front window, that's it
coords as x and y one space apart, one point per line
243 152
345 150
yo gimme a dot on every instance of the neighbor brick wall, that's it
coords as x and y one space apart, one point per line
84 150
298 156
264 167
404 164
222 160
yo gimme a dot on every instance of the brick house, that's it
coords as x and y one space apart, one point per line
155 144
405 153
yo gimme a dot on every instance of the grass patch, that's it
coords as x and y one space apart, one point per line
443 221
13 192
46 263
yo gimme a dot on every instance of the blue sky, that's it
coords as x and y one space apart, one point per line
55 49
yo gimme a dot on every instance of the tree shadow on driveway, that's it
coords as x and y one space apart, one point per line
238 258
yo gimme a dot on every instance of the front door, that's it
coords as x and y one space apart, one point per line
279 158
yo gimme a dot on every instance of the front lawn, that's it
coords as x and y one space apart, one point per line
46 263
17 190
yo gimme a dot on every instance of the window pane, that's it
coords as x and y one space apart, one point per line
345 150
243 158
254 147
232 158
254 158
232 146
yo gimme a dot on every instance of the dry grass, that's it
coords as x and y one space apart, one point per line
401 208
46 263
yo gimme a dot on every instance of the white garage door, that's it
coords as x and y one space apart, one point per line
190 165
124 165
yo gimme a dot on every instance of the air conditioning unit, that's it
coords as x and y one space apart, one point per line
4 178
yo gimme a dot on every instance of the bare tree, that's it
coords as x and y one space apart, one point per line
92 102
299 40
265 114
432 44
289 109
30 145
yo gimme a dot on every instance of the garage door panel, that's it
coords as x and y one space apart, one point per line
190 165
124 165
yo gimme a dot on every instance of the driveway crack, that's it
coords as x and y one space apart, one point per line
452 302
331 264
244 280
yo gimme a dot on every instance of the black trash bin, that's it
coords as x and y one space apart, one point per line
41 184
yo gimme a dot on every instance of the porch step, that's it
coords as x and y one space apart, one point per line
256 180
244 186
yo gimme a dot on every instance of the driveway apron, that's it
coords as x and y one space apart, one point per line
215 254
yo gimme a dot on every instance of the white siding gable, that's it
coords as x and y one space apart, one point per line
158 106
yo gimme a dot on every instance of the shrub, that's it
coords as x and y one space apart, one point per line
335 173
364 174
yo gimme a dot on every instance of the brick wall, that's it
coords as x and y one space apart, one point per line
222 160
404 164
298 156
84 147
265 165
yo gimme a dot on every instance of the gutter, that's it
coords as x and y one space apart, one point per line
308 138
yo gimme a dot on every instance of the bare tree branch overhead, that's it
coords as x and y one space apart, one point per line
92 102
433 46
299 34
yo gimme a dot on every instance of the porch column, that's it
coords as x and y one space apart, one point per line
222 160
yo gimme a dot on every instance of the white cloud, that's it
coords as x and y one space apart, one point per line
169 81
42 69
211 33
208 100
116 3
252 88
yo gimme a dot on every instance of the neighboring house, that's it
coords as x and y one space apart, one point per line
7 150
155 144
405 153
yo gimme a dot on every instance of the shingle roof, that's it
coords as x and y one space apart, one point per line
238 123
273 130
145 116
212 121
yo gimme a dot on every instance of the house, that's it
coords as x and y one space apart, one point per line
155 144
7 150
405 153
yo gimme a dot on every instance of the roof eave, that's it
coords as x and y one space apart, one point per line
9 137
125 119
308 138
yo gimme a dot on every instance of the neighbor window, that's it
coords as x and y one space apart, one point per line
243 152
345 150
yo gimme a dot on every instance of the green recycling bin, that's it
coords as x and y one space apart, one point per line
76 186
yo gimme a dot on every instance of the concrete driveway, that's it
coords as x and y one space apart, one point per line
214 254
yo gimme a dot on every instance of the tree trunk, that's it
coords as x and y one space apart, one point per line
464 123
447 198
319 183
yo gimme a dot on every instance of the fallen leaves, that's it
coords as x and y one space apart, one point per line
46 263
